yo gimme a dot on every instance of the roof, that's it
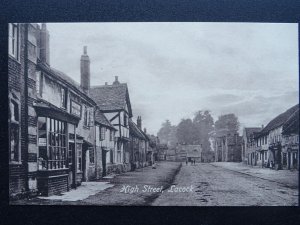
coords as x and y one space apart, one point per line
279 120
291 126
135 131
101 119
111 97
191 150
63 77
251 130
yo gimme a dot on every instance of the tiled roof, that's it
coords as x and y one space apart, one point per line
111 97
135 131
291 126
280 119
101 119
63 77
251 130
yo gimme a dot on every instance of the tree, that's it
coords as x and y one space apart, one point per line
186 132
203 123
229 122
167 134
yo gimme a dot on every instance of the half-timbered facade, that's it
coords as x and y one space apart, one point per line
113 101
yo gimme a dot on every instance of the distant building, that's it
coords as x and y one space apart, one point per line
248 145
189 153
227 146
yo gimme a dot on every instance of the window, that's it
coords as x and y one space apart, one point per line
79 156
70 155
92 155
111 156
14 131
111 135
39 83
102 133
125 119
63 98
13 41
85 116
56 158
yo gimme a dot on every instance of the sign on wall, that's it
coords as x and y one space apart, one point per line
75 108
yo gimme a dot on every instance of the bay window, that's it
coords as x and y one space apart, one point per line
52 144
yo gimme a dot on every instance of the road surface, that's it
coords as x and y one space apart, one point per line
215 186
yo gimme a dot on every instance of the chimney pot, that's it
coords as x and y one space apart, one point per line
85 50
116 80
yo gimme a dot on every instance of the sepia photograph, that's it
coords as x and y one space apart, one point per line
153 114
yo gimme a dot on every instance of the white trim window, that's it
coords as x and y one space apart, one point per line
14 40
14 130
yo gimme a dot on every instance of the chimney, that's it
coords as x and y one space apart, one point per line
85 70
44 45
139 122
145 130
116 82
262 126
105 83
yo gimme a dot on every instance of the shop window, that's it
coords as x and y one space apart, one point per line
70 153
14 40
92 155
57 156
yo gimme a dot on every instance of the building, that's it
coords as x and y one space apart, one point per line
276 156
51 117
114 102
162 151
137 146
103 159
248 145
290 142
17 119
227 146
189 153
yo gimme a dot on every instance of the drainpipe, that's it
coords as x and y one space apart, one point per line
26 107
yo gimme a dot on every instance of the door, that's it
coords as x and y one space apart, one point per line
103 163
71 165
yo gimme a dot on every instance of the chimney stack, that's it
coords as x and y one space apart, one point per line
116 82
44 45
105 83
145 130
262 126
85 70
139 122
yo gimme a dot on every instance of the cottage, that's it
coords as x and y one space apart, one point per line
276 156
114 102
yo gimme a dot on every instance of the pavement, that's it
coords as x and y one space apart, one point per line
215 185
139 187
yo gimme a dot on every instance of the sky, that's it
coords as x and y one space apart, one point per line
175 69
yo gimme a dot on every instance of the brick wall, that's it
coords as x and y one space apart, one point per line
53 185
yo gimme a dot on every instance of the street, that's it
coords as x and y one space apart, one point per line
216 186
170 184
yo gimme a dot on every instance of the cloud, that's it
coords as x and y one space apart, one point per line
175 69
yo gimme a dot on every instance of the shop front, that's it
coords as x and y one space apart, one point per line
55 152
